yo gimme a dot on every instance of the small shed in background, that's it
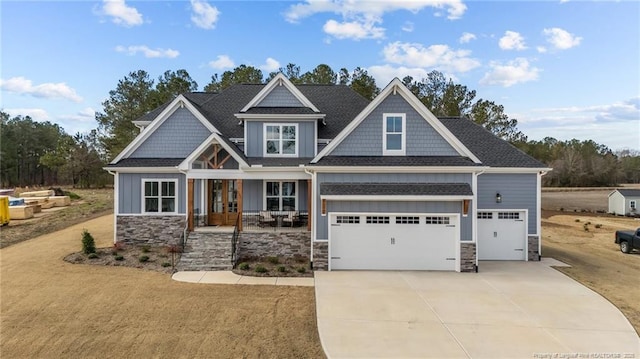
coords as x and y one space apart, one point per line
624 202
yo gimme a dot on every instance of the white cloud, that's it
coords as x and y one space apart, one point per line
353 30
122 14
561 39
23 86
270 65
148 52
87 114
36 114
439 57
466 37
512 41
349 9
628 110
385 73
222 62
511 73
204 15
407 27
541 49
361 19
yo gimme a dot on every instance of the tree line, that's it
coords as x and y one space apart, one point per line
42 153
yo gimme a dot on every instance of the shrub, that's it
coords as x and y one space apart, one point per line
301 270
119 246
114 252
577 219
166 264
598 225
143 259
88 243
119 258
92 255
244 266
281 269
588 223
71 195
261 269
273 260
145 249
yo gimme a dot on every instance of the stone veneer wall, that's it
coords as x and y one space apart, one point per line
320 255
151 230
533 241
274 244
467 257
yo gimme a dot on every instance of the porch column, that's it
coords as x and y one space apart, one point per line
309 201
190 183
239 184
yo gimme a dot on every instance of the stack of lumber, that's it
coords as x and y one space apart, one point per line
46 199
20 212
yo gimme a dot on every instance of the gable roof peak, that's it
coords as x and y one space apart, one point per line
280 80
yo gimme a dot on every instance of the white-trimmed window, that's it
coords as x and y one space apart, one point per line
280 139
280 196
159 195
394 134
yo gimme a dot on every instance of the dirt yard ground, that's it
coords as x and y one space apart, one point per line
594 258
53 309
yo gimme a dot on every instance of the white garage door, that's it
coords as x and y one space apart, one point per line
393 241
502 235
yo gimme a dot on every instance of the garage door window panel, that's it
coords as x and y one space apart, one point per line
377 219
407 220
348 219
437 220
508 215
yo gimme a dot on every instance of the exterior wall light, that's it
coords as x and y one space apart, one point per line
498 198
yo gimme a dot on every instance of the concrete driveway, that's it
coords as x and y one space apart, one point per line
508 310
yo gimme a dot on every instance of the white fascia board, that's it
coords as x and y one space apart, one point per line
142 169
394 87
400 198
179 102
394 169
290 117
279 80
517 170
204 145
239 174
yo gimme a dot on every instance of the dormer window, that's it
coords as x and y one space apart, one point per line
394 134
280 140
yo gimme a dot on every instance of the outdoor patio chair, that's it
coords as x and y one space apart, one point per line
291 219
267 218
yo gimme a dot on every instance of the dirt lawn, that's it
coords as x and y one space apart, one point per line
594 258
53 309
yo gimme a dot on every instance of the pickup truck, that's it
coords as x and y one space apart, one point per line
628 240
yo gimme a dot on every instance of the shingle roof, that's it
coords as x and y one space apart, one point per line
490 150
629 192
148 162
396 189
387 161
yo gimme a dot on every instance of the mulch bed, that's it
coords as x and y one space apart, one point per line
158 259
274 267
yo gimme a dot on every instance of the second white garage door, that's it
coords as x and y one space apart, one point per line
502 235
393 241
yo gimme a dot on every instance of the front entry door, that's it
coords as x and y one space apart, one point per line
223 202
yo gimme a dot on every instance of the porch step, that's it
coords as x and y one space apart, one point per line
206 251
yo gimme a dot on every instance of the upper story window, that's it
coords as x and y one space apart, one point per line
159 196
280 139
394 134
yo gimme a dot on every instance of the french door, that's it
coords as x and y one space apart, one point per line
223 202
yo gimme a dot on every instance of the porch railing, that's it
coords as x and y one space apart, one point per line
234 243
293 221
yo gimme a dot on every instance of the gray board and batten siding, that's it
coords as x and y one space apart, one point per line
421 138
177 137
518 191
279 96
254 143
130 191
322 222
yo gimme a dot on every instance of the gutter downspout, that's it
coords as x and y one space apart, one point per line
185 230
474 219
314 209
116 203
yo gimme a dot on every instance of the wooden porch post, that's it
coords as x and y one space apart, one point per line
239 184
309 205
190 204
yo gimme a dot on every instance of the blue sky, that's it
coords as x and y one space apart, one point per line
566 69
